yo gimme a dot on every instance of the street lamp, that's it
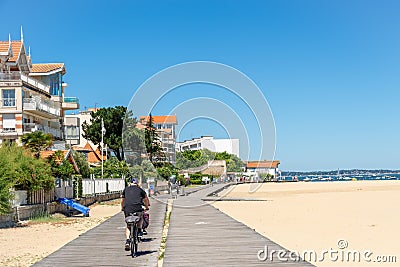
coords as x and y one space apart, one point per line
103 131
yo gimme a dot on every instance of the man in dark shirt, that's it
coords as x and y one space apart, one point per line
133 198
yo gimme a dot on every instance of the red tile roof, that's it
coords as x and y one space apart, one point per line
48 153
160 119
16 48
263 164
93 155
47 67
4 46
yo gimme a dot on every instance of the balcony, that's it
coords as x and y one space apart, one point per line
8 103
41 107
70 103
33 127
17 79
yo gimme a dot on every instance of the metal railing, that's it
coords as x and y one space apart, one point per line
16 76
36 83
38 104
32 127
8 102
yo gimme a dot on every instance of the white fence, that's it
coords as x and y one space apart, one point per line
98 186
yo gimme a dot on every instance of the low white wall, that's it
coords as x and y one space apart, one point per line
97 186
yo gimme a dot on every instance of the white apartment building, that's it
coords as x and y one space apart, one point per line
31 95
230 146
73 127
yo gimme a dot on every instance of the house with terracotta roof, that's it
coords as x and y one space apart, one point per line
63 188
92 154
66 153
165 128
263 167
31 95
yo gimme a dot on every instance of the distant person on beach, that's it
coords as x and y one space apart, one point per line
133 200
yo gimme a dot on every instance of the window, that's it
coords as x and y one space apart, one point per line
8 98
72 132
55 85
8 122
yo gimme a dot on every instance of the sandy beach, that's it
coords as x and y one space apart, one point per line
315 216
25 245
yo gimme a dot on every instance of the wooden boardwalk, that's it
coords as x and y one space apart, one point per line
104 244
200 235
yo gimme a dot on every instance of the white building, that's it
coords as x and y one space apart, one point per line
73 127
230 146
32 96
263 167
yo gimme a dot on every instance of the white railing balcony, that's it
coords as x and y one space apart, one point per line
70 103
54 132
45 106
36 83
17 76
33 127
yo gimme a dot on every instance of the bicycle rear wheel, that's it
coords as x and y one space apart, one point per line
134 239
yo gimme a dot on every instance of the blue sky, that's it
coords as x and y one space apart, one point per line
330 70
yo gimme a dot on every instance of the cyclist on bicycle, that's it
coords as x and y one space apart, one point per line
133 198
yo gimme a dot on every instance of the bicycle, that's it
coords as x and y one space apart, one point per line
132 221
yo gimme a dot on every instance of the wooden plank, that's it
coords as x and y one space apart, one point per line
200 235
104 244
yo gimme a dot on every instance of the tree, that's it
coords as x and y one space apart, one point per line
233 162
196 158
23 171
133 141
152 142
7 171
20 170
60 166
113 168
166 171
36 142
193 158
114 119
82 163
145 170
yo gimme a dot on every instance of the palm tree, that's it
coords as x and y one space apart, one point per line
37 141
